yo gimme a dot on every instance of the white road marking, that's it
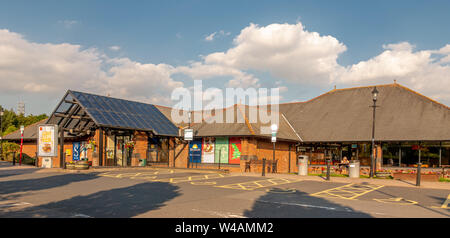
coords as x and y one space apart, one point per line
82 215
221 214
15 204
306 205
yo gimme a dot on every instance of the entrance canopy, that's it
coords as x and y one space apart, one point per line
79 113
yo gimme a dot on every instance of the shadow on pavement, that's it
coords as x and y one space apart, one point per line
115 203
298 204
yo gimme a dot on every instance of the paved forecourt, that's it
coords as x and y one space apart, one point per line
166 192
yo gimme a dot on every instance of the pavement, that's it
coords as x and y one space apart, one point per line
26 191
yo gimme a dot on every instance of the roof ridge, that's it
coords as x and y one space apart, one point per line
250 128
342 89
430 99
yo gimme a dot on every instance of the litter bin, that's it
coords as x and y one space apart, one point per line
142 162
353 169
303 165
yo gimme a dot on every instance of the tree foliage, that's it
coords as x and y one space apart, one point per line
12 122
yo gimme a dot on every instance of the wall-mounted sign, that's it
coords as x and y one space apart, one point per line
76 151
195 151
47 140
188 134
235 150
221 150
208 150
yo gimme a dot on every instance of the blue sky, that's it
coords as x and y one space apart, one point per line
173 33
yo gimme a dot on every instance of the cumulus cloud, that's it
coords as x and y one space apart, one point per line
290 52
27 67
284 50
419 69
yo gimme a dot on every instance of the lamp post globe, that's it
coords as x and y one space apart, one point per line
274 127
375 94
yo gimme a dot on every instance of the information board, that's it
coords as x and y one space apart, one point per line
47 140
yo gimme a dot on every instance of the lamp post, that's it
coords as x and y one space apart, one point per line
22 128
1 133
372 163
189 138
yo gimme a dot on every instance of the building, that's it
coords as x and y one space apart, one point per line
337 124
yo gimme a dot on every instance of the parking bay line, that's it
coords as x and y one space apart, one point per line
348 191
445 204
252 185
147 176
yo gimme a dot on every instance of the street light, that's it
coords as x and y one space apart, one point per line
22 129
372 163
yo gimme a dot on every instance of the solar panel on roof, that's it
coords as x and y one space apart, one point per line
113 112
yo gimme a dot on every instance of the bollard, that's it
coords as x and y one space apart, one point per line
264 167
64 161
419 167
328 169
14 159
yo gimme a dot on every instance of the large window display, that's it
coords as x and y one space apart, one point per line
406 154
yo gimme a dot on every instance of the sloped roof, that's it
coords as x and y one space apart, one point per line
345 115
242 123
29 132
115 113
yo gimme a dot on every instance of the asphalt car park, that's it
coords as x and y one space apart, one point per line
191 193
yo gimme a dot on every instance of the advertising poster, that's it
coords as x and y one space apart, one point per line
76 151
195 151
83 150
221 150
47 140
235 150
208 150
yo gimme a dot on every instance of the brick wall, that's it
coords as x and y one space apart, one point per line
265 150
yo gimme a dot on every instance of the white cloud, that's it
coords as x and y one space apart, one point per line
27 67
210 37
114 48
421 70
216 34
68 23
286 51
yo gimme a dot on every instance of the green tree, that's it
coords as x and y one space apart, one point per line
11 121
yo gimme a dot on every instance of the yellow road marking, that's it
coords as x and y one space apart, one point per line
190 178
258 184
348 191
204 183
397 201
445 204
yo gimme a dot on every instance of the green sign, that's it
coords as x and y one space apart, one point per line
221 150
